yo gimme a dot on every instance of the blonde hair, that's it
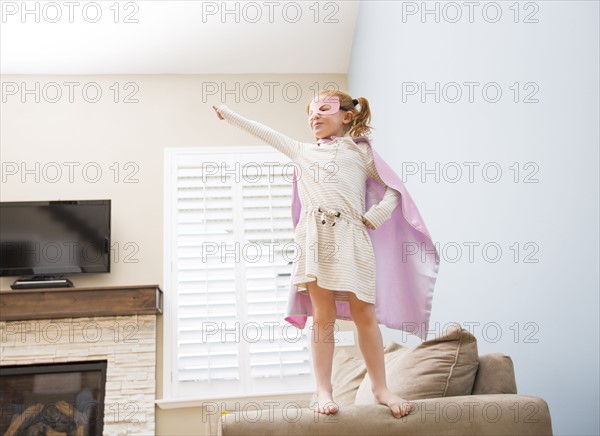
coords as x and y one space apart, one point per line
359 126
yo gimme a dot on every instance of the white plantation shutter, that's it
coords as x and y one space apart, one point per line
231 247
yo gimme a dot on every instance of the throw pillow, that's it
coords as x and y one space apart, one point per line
346 374
440 367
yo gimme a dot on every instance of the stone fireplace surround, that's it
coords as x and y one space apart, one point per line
126 342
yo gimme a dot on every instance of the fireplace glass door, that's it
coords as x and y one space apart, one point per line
52 399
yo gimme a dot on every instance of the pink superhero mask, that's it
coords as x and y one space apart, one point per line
325 106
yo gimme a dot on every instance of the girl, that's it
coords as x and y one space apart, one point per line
332 185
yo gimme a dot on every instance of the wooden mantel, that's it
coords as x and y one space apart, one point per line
51 303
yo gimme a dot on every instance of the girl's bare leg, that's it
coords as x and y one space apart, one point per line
371 347
324 316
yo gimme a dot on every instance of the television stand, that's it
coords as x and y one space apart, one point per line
37 282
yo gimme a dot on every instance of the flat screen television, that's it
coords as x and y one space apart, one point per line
54 238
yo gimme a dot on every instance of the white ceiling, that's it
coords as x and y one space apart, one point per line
177 37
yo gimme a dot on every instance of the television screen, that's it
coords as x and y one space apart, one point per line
54 237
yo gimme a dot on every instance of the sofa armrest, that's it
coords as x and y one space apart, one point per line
495 375
460 415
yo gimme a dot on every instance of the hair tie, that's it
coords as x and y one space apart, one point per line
355 102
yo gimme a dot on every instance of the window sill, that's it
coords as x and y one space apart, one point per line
236 402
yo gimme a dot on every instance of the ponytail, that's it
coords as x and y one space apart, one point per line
360 123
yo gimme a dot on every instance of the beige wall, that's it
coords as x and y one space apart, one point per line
170 113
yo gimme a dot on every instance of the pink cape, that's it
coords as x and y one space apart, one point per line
407 261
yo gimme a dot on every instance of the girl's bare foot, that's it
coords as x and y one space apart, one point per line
398 405
325 403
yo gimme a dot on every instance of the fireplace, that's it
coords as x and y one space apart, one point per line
116 324
57 399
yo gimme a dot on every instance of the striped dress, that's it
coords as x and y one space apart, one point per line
331 179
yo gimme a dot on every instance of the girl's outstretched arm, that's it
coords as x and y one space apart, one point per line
288 146
382 211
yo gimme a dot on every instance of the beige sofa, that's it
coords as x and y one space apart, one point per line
454 391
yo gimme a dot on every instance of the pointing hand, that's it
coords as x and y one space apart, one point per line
218 114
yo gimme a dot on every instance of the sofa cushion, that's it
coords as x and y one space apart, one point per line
495 375
444 366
